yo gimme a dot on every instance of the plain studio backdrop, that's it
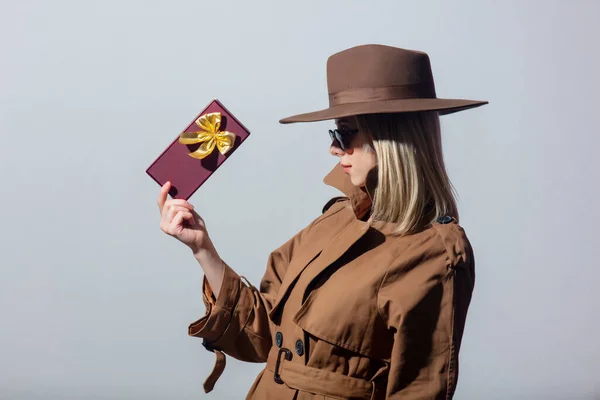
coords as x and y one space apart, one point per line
95 300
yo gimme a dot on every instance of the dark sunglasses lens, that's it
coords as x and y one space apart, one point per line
343 140
337 137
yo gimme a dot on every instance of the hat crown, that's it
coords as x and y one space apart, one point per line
379 66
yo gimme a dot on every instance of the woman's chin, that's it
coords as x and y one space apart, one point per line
357 181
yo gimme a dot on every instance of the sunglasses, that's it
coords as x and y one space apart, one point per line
343 137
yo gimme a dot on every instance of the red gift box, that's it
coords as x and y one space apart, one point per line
180 163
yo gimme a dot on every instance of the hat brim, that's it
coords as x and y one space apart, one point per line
443 106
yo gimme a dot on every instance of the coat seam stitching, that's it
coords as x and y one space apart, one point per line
451 359
385 275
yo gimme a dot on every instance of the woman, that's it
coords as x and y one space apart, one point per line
368 301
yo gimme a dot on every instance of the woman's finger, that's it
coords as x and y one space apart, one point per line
162 195
177 221
179 202
171 211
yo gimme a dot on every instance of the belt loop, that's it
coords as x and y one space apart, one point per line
288 356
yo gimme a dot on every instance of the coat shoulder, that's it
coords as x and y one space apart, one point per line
445 242
334 201
455 242
421 266
333 213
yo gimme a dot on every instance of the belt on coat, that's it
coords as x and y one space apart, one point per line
314 380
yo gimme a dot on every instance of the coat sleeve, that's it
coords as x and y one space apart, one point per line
424 301
237 322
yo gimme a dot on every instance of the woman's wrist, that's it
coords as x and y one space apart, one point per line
213 267
207 256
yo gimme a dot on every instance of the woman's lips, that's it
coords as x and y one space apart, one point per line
346 167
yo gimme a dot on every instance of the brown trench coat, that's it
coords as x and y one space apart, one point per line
347 311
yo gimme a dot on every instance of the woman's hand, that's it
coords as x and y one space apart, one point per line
178 219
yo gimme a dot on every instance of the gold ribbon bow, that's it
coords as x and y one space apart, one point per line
209 135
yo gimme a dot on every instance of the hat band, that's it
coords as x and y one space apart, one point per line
363 95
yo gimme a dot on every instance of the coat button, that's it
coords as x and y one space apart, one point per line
279 339
446 219
299 347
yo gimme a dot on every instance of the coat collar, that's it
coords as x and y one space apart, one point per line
340 238
359 197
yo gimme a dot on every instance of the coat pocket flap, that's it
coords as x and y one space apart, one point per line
357 329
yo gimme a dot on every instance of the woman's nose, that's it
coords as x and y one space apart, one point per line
335 150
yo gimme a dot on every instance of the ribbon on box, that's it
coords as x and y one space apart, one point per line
209 135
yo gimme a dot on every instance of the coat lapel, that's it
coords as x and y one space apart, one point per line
327 250
324 255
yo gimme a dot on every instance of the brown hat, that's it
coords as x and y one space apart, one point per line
371 79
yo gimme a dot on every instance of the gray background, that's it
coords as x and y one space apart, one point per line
95 300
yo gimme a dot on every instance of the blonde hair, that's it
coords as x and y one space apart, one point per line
413 188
